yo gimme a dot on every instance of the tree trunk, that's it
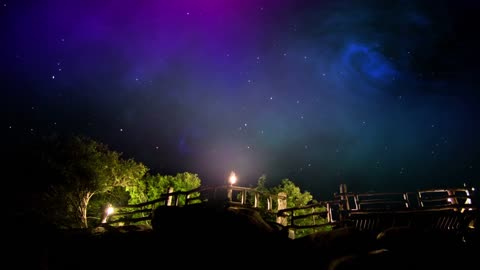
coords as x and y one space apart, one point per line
82 207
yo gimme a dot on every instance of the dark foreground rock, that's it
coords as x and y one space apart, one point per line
394 248
219 238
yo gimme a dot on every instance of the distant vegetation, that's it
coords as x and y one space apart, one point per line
295 198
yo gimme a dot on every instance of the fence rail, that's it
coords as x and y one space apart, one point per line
233 195
366 211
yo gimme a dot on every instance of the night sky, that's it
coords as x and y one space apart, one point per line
380 95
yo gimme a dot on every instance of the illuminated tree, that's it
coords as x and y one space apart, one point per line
151 187
84 168
295 198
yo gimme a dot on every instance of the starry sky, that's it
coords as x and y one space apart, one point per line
380 95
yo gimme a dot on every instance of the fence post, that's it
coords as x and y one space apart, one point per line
255 202
229 193
420 199
177 200
407 200
281 200
344 196
452 199
329 213
169 197
282 204
244 197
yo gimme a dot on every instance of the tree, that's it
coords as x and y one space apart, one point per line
261 183
295 198
85 168
151 187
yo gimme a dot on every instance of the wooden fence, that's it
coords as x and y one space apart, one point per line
226 194
435 209
454 208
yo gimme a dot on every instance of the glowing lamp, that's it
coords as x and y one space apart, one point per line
232 179
109 210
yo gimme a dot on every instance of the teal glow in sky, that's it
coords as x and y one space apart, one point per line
378 95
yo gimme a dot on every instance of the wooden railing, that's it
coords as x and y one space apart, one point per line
360 209
316 213
363 210
226 194
436 209
421 200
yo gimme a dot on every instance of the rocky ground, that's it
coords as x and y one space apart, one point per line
219 238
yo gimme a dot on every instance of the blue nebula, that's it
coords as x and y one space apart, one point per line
364 61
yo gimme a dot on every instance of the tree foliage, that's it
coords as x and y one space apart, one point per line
151 187
295 198
84 168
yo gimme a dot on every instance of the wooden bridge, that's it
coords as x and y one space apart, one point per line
452 210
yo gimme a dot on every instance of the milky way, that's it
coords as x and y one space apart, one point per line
380 95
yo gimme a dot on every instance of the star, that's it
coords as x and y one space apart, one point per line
209 83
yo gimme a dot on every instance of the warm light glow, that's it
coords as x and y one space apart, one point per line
232 179
110 210
471 225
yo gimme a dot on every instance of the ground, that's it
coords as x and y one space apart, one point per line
217 238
